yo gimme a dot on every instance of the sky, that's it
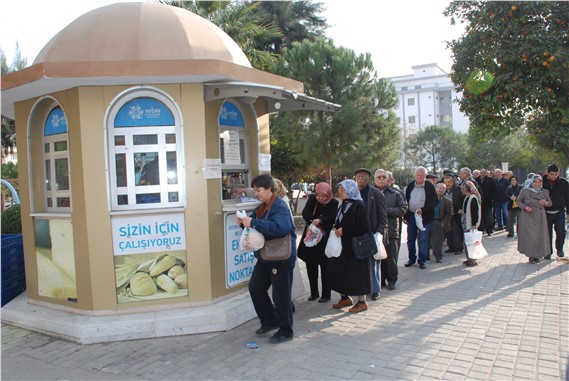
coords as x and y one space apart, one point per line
398 33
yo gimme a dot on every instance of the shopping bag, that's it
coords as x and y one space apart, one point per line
474 247
419 222
333 246
382 253
251 240
313 236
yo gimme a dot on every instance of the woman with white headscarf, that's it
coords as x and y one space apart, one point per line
348 275
533 235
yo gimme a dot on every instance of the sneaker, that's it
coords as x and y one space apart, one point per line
343 303
560 253
359 307
278 338
266 328
375 296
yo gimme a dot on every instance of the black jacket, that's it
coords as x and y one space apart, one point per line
431 200
396 209
376 210
501 186
488 187
559 194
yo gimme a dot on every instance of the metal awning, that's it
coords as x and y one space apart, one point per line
278 98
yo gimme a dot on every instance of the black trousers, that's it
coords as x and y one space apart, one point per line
556 220
277 311
487 219
312 272
455 238
389 271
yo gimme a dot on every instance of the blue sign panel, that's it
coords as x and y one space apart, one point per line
144 112
230 116
56 122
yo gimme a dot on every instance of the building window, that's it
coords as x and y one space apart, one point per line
418 86
145 152
56 162
411 102
412 119
403 88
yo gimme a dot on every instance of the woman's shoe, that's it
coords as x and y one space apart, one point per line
359 307
472 264
343 303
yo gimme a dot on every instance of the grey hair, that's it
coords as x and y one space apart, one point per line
466 170
380 170
421 169
440 185
389 175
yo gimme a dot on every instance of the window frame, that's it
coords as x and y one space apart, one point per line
130 150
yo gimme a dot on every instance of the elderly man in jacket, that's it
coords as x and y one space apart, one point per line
377 214
421 198
396 209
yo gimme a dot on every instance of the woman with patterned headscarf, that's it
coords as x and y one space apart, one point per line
471 213
533 235
320 210
348 275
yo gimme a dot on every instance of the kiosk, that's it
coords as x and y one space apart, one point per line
136 122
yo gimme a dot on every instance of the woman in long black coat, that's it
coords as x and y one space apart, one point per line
320 210
348 275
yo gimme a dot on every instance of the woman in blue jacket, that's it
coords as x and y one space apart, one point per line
273 219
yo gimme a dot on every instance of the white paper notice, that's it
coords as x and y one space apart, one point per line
212 168
231 148
265 162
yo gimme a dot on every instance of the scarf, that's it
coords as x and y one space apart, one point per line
266 206
326 189
352 190
531 184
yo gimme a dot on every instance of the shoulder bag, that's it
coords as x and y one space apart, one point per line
364 246
278 249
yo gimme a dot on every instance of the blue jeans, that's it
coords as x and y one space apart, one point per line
376 266
501 209
413 233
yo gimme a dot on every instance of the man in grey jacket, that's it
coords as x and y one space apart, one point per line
377 214
396 209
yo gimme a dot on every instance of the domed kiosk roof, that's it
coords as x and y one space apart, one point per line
149 43
141 32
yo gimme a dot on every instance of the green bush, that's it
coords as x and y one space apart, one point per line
11 220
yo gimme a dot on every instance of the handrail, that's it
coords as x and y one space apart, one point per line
13 190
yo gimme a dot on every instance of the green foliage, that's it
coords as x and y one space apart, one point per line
363 132
11 220
523 46
436 148
9 170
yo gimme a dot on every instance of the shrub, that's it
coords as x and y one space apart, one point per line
11 220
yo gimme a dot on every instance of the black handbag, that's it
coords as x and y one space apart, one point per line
364 246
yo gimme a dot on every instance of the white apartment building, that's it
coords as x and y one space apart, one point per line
427 98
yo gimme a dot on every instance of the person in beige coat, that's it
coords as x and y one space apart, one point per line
533 235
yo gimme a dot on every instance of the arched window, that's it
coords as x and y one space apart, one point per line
56 162
145 152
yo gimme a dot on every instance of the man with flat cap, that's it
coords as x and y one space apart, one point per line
377 214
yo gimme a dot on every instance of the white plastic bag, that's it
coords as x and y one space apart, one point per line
474 247
381 252
333 246
419 222
251 240
313 236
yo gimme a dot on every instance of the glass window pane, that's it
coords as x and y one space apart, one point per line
60 146
148 198
119 140
144 139
48 175
63 202
49 203
170 138
120 163
172 167
173 197
150 173
122 199
61 174
46 147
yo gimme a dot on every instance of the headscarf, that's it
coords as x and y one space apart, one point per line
531 187
352 190
280 189
326 189
471 188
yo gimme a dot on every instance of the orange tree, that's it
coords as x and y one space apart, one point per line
512 64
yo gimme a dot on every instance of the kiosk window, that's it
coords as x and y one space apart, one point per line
56 160
143 138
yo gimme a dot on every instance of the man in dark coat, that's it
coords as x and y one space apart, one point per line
455 239
377 213
488 188
501 201
396 209
421 198
558 189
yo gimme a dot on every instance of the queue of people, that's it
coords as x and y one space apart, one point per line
433 212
